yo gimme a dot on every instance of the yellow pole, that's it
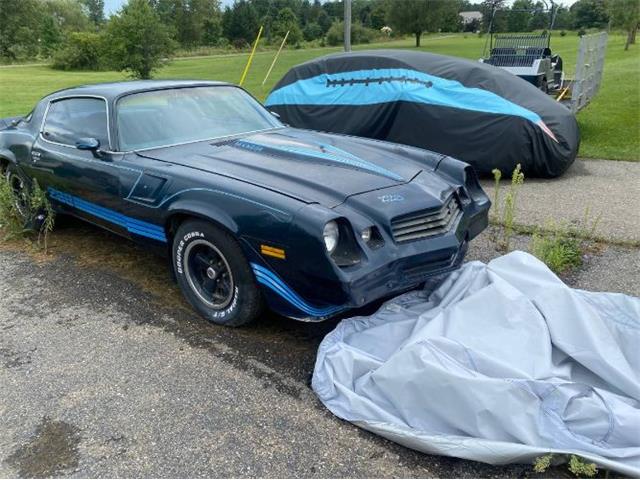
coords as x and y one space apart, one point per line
253 51
562 94
275 59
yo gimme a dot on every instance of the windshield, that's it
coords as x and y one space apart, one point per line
181 115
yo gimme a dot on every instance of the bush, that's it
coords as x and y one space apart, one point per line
312 31
359 34
563 33
81 51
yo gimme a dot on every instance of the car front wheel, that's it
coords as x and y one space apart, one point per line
214 274
19 190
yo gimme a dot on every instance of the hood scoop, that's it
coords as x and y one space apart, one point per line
323 153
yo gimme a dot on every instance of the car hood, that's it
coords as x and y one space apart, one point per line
310 166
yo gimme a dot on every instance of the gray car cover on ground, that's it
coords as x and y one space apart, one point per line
500 363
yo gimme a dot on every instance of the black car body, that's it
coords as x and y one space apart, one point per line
393 214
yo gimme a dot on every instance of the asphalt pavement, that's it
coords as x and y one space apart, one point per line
610 190
105 372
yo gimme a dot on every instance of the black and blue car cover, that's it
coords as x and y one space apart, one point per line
478 113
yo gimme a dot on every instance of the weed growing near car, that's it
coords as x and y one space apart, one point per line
577 465
559 250
11 225
508 208
562 247
38 217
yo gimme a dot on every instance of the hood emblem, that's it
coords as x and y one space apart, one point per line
391 198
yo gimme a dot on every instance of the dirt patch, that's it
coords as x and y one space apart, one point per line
52 450
95 248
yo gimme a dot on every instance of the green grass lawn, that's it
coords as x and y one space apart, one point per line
610 126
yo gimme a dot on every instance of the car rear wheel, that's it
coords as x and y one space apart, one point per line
214 275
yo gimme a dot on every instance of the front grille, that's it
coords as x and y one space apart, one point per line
426 223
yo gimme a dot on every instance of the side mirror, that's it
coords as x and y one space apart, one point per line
92 144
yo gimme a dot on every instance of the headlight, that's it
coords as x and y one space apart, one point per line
331 235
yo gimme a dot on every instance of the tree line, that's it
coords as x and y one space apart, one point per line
76 34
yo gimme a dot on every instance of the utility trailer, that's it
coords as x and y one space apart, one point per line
529 57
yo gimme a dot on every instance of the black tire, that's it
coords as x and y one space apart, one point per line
20 190
214 274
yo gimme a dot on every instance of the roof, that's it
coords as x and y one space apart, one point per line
117 89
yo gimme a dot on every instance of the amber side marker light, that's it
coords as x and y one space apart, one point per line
272 252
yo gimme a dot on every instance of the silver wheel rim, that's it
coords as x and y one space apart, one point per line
200 274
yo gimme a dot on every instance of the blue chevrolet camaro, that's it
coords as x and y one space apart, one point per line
251 212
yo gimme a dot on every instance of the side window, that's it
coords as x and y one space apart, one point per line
72 119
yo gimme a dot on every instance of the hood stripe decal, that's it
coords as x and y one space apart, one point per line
329 153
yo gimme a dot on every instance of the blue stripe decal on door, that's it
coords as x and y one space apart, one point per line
370 87
137 227
269 279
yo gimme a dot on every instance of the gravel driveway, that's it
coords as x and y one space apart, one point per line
102 375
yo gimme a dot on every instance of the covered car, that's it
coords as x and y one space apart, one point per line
475 112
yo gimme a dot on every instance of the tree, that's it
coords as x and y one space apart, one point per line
418 16
539 17
95 10
20 19
69 15
564 19
494 15
286 21
625 14
589 14
136 39
520 16
240 22
51 36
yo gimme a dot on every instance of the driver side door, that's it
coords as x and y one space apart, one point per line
84 182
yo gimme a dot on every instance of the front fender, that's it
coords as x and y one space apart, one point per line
204 210
8 155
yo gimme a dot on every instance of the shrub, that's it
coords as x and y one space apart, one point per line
81 51
563 33
359 34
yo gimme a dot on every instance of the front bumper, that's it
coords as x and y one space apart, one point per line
387 272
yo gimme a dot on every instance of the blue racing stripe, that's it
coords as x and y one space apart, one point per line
137 227
269 279
330 153
370 87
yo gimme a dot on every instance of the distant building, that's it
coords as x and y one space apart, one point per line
470 17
